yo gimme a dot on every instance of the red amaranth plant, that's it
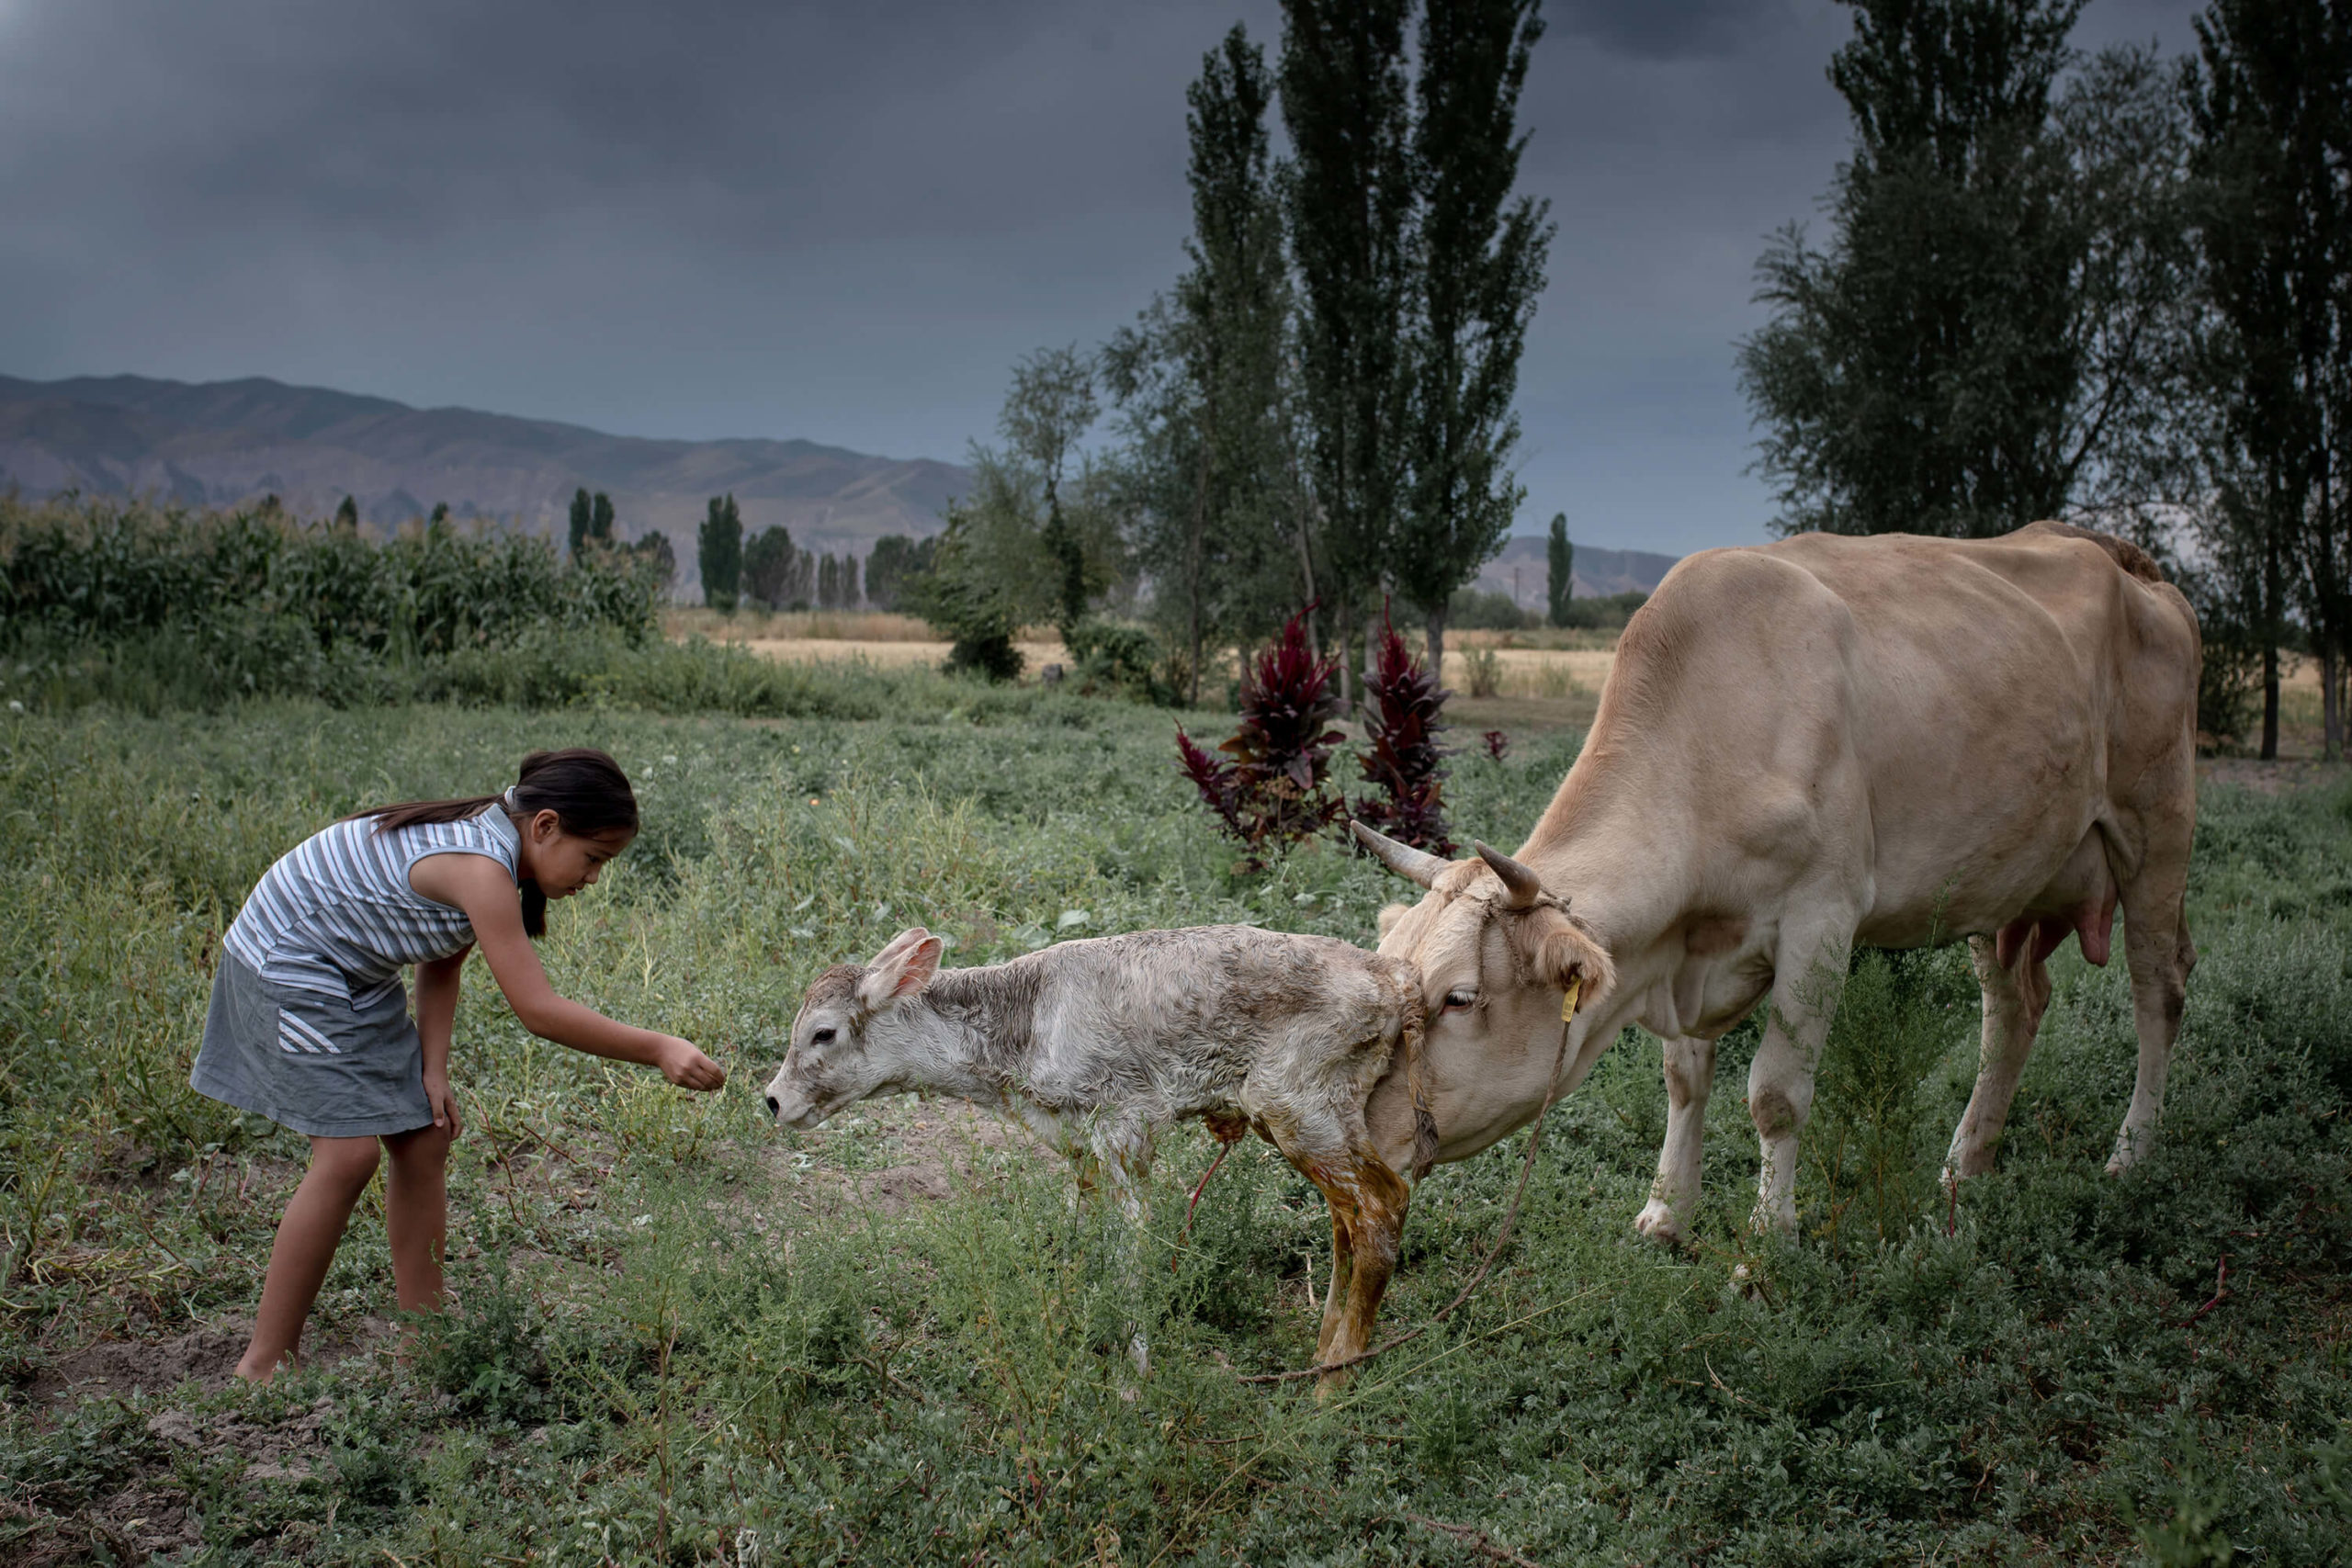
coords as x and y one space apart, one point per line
1403 756
1498 743
1272 793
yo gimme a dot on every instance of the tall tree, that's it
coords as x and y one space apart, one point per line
347 514
1351 194
1201 379
2271 100
768 562
1478 260
1914 375
893 567
1052 404
580 517
720 546
600 519
1559 575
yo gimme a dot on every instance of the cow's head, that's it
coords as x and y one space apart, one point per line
833 1059
1495 950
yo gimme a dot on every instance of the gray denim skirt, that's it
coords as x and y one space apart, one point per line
314 1062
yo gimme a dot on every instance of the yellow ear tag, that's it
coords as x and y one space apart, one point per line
1568 999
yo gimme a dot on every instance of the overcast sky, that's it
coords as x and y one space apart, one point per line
844 221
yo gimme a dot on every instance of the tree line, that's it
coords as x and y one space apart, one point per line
2114 287
1319 411
768 570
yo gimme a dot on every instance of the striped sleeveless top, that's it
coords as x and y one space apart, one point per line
336 915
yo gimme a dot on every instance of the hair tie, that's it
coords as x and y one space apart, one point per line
514 806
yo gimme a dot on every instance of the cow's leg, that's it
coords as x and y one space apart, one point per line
1674 1196
1809 976
2157 947
2014 995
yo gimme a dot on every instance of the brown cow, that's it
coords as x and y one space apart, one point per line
1803 746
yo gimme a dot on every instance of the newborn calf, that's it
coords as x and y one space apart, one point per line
1097 1045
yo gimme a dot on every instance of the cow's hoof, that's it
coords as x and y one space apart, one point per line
1657 1222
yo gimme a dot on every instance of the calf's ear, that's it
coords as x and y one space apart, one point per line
1389 915
900 969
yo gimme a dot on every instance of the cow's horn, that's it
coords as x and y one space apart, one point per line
1525 886
1414 865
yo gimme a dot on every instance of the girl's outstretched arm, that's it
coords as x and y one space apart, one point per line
480 887
436 1018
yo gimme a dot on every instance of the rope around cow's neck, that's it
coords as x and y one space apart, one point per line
1502 1239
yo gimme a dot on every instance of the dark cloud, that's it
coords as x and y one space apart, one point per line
841 221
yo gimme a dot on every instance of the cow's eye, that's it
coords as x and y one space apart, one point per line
822 1037
1456 1001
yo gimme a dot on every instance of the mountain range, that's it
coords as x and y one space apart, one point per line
222 443
219 443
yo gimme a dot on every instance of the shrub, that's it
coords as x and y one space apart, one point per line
1403 756
1485 668
1119 660
1475 610
1604 612
1271 794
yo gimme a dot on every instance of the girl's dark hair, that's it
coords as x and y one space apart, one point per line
584 787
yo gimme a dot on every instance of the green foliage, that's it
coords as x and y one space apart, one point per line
2273 137
720 546
2001 326
160 610
1350 206
1122 660
894 567
1479 258
1206 392
1559 570
1475 609
1607 612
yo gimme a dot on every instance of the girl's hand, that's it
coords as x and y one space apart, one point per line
444 1103
687 1067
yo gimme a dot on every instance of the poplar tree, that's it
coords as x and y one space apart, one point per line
579 516
719 547
2271 102
1223 527
600 519
1913 374
1559 576
1351 191
1478 257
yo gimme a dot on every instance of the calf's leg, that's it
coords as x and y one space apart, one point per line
2014 995
1674 1196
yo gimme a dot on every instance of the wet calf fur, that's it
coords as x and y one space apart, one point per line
1097 1045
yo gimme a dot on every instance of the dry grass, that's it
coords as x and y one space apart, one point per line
795 625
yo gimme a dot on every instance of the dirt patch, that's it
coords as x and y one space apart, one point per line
206 1356
923 1147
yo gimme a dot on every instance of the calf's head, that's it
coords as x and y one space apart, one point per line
837 1055
1495 950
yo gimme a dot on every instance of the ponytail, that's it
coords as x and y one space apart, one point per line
584 787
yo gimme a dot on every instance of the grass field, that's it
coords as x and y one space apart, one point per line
680 1337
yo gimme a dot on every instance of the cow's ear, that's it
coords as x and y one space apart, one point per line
1389 915
900 969
1564 952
